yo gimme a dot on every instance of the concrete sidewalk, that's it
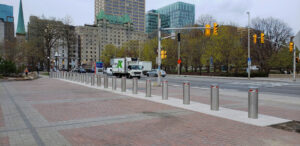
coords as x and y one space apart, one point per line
242 78
53 112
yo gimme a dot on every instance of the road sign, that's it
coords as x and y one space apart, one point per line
179 61
249 61
99 64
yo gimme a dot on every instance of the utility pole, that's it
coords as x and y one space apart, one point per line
294 76
249 57
159 50
178 64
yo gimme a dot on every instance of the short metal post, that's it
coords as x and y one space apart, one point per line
186 92
253 103
92 80
214 97
86 78
134 85
148 88
123 84
98 80
164 90
114 83
105 81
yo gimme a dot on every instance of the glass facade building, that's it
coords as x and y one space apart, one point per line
181 14
152 21
6 13
134 8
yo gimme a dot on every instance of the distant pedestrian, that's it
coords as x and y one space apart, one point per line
37 70
26 71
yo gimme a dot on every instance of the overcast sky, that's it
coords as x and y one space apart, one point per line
227 11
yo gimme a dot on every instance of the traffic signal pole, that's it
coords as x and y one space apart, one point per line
249 59
159 51
294 76
178 64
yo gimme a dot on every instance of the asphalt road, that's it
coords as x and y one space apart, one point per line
286 88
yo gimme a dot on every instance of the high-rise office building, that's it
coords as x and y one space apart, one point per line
134 8
6 26
152 21
181 14
109 29
6 23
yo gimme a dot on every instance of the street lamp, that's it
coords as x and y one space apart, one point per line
249 57
159 47
56 58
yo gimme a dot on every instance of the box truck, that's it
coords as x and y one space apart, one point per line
147 66
128 67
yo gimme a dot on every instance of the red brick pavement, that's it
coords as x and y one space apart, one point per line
4 141
43 90
193 129
81 110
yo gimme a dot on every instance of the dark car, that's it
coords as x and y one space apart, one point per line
79 70
90 70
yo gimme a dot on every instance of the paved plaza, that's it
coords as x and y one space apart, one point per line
59 113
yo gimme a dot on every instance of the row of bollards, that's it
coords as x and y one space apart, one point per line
214 89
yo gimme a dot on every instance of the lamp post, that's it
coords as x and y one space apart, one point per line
159 47
56 58
249 57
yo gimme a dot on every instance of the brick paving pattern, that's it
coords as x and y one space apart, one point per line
52 112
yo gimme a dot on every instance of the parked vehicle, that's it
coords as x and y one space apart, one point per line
153 73
108 71
79 70
90 70
147 66
128 67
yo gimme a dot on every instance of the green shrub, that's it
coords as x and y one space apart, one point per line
7 67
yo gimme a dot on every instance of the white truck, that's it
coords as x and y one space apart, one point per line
128 67
147 66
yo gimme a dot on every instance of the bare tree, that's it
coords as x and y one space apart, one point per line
206 19
275 30
69 37
277 33
47 31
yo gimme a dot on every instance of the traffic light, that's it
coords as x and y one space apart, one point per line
291 47
207 30
216 27
163 54
178 37
297 59
255 38
262 38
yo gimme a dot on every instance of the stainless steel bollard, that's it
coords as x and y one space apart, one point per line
164 90
123 84
86 78
253 103
148 88
214 97
98 80
92 80
134 85
105 81
114 83
186 92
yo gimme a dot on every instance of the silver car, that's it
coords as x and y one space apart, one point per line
153 73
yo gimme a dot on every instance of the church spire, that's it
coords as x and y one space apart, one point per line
20 26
